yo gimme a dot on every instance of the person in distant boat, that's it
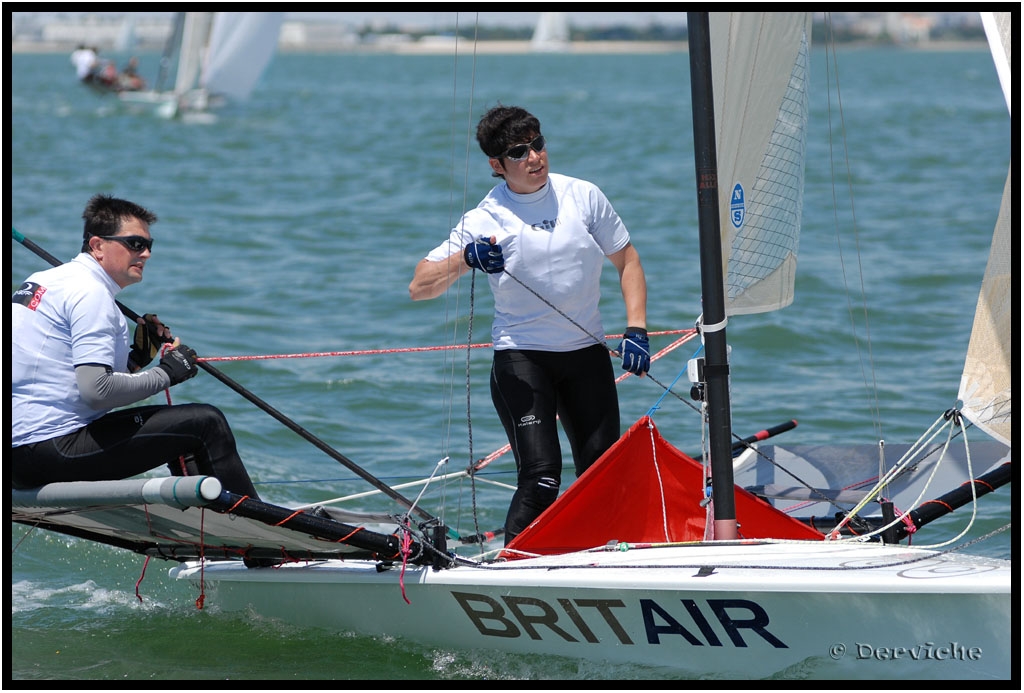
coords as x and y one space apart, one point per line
74 362
104 73
541 238
129 79
85 61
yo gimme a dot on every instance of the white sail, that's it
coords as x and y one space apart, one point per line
241 45
999 30
986 388
551 32
760 69
194 37
986 384
217 56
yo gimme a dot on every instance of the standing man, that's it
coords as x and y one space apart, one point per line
73 362
85 61
542 237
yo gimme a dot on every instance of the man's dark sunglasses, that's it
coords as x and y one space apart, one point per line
518 152
136 244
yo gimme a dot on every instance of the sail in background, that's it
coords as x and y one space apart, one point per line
193 42
761 107
986 385
551 33
241 46
216 57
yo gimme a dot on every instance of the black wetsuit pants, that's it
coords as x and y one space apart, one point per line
127 442
529 388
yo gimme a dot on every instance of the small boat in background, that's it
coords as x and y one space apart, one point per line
212 57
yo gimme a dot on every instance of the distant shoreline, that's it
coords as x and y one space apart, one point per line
430 47
517 47
526 47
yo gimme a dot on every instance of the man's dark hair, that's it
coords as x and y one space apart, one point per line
503 126
104 215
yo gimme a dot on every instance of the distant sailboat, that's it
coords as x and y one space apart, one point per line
551 33
214 57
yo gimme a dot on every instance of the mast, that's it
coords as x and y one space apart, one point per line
716 370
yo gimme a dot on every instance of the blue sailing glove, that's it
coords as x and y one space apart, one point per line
635 351
483 255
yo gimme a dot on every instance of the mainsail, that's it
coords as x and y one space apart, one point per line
761 76
986 385
241 46
194 37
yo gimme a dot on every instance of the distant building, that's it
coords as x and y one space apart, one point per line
316 36
126 32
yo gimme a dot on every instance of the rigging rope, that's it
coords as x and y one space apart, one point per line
907 463
872 388
393 350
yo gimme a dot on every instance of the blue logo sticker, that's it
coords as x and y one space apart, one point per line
737 207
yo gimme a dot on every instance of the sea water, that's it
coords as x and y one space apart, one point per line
290 225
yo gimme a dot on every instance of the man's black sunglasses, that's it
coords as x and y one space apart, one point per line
519 152
136 244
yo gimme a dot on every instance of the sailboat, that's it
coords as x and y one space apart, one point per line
551 33
778 562
213 57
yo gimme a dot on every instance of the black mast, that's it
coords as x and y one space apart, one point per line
716 370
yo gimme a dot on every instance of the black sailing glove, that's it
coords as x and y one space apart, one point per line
179 363
484 255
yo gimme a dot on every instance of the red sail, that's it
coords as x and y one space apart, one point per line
644 490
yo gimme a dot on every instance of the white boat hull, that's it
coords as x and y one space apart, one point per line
720 610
